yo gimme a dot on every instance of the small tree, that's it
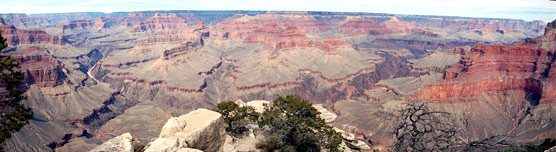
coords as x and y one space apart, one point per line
292 124
420 128
13 114
233 115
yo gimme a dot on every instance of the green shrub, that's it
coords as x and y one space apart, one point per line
234 115
292 124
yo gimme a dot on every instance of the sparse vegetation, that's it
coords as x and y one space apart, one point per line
13 114
288 124
292 124
420 128
236 116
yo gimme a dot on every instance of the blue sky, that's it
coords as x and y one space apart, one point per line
516 9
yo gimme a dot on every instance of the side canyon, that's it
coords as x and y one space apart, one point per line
95 76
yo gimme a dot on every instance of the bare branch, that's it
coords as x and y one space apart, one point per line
420 128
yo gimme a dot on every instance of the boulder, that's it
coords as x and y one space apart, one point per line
189 150
174 125
346 135
240 102
358 144
201 129
166 145
350 141
243 143
122 143
258 105
328 116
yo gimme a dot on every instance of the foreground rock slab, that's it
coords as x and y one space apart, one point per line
122 143
201 129
166 145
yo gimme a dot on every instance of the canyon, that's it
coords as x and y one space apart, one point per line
91 77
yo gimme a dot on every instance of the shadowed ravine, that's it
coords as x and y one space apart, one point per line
95 76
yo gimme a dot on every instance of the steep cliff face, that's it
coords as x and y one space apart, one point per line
518 81
21 21
39 67
493 68
363 27
490 25
100 73
16 36
33 21
161 22
548 42
77 25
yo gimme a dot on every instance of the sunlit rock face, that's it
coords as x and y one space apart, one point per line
93 76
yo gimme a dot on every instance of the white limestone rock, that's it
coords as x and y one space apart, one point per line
122 143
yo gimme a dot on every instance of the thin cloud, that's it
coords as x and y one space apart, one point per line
517 9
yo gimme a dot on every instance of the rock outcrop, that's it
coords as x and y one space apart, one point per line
553 149
166 145
39 67
31 49
259 105
16 36
122 143
33 21
516 80
492 68
96 71
496 68
201 129
491 90
325 114
363 27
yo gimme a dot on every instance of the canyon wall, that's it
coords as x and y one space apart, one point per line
92 76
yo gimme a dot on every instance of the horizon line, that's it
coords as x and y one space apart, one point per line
394 14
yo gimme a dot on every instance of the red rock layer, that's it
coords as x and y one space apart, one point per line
99 22
297 81
469 24
402 26
476 87
22 20
15 36
184 34
492 68
363 27
416 44
39 67
77 24
527 66
160 22
277 35
549 42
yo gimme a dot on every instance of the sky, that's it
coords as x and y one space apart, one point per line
527 10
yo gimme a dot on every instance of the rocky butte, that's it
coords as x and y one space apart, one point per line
120 78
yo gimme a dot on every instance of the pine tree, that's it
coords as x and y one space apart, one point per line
234 115
13 114
292 124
